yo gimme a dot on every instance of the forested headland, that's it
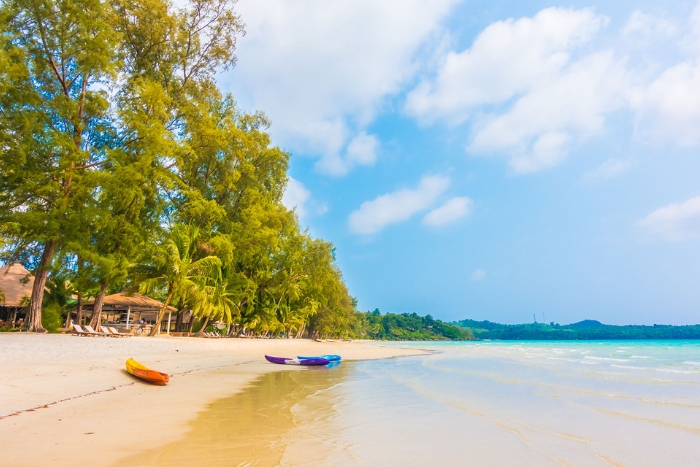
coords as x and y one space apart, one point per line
583 330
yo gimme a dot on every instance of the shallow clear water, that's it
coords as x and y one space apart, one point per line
612 403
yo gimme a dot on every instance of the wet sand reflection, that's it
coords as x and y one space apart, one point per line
250 428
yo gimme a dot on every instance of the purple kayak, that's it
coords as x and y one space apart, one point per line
296 361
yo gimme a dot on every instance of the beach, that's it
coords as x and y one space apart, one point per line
68 400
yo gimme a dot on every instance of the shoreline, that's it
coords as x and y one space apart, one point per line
68 399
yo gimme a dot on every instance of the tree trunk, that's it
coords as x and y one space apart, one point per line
79 310
203 328
67 323
189 329
300 332
79 305
42 273
96 319
154 329
178 321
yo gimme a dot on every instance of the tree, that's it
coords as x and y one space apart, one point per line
53 120
172 268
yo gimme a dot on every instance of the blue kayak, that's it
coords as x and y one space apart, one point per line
330 358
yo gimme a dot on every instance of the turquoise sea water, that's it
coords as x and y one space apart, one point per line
611 403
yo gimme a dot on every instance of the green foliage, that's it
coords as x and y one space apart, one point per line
171 267
197 326
51 317
585 330
407 326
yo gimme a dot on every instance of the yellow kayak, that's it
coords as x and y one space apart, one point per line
146 374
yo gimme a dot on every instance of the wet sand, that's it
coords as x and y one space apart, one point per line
67 400
256 426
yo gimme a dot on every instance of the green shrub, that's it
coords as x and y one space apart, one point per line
51 317
197 326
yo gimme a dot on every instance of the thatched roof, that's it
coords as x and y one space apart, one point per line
122 301
13 286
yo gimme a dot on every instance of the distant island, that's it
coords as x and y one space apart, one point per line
583 330
406 327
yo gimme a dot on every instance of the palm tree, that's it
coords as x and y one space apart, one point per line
172 268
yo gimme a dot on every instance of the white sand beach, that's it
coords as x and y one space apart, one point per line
68 400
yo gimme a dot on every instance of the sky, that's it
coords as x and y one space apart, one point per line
491 160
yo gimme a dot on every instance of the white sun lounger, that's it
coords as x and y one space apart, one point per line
120 334
95 333
78 331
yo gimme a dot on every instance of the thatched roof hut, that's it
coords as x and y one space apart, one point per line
128 309
16 283
122 301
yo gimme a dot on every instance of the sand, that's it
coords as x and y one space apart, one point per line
67 400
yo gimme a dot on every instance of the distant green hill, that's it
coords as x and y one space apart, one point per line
588 323
583 330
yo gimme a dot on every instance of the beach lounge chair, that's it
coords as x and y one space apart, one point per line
78 331
106 331
121 334
95 333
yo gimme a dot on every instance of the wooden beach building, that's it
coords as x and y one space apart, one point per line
16 285
127 310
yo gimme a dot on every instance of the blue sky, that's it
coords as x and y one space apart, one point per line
490 160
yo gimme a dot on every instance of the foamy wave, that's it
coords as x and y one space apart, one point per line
692 363
628 367
607 359
640 356
683 372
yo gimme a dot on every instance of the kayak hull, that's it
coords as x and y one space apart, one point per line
330 358
296 361
146 374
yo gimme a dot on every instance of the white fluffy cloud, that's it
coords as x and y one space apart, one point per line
646 24
609 169
668 110
398 206
321 69
527 97
530 91
675 222
362 150
507 58
451 211
296 195
478 275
